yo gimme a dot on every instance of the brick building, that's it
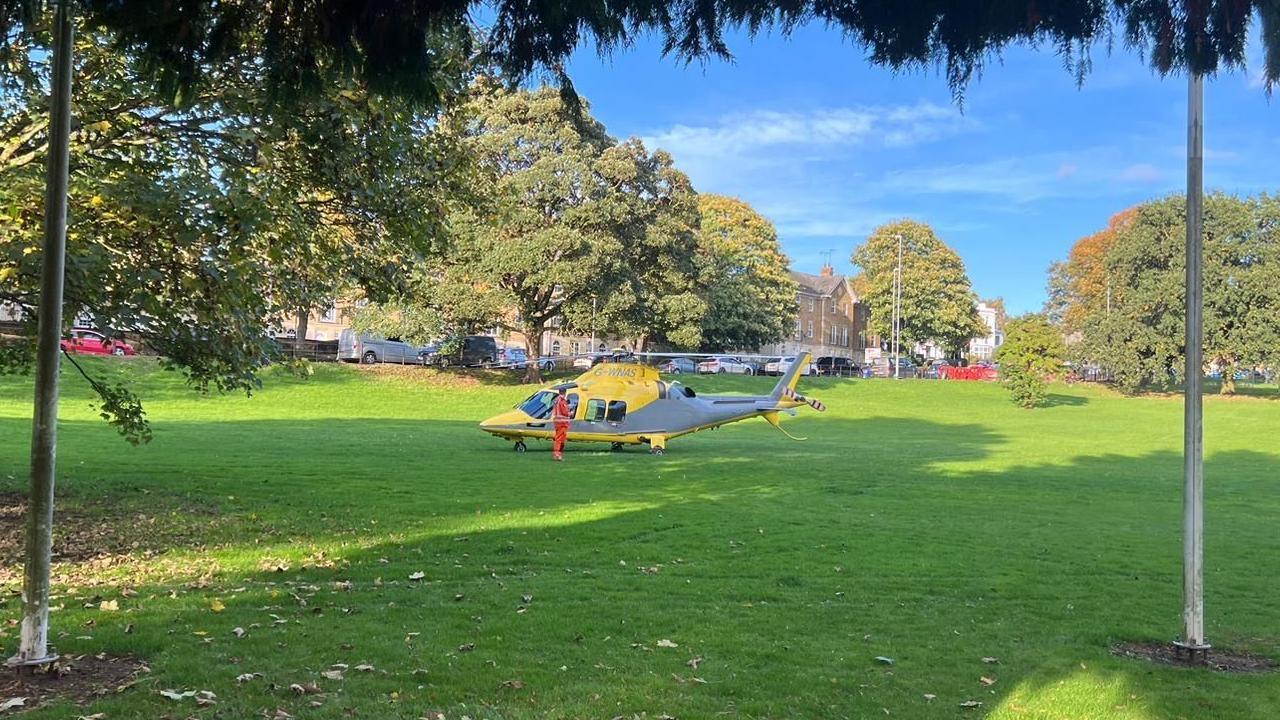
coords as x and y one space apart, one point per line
830 319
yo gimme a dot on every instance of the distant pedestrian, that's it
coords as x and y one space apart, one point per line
560 419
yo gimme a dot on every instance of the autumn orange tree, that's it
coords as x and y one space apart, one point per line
1081 284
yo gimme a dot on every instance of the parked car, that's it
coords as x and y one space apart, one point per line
466 351
546 363
92 342
513 358
783 364
588 361
883 367
370 348
833 365
676 366
935 369
721 364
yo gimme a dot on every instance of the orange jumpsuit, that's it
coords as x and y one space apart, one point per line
560 419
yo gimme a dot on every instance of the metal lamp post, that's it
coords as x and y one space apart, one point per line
1193 640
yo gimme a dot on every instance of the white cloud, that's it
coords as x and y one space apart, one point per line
736 137
1142 173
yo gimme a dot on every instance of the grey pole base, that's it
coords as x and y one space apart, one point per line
1191 650
17 662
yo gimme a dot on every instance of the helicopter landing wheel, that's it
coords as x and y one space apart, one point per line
615 447
657 451
520 446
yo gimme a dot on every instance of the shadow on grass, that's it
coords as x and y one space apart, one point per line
778 562
1060 400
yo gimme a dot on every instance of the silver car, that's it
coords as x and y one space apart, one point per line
370 348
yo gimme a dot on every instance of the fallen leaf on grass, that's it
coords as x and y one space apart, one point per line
665 643
527 598
217 605
204 698
109 605
418 575
308 689
247 677
281 715
466 647
513 684
990 660
988 681
884 660
364 667
930 697
238 632
176 695
333 675
970 704
12 703
95 716
694 662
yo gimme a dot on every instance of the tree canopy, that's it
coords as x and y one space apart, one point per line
399 47
198 229
1139 336
750 296
938 304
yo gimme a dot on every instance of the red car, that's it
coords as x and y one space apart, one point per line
91 342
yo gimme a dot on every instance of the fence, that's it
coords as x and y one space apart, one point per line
313 350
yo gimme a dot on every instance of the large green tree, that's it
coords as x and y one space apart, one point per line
1140 338
572 226
751 297
199 227
938 303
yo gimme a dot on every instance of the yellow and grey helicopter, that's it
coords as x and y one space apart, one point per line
627 403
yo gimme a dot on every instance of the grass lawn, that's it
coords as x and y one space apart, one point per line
742 575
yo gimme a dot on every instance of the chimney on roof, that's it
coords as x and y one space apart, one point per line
828 271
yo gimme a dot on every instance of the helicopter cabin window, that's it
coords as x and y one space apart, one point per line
617 411
595 410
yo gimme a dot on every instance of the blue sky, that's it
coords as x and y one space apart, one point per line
829 147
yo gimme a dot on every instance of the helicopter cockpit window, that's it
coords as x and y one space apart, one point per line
688 392
539 406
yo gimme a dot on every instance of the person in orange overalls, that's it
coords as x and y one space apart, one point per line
560 418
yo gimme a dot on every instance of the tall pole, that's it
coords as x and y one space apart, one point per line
33 648
593 323
1193 639
897 315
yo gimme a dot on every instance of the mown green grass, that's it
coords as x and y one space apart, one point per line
932 523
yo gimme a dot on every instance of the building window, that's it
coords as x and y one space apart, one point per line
811 304
844 332
330 315
809 333
555 348
575 348
833 306
799 330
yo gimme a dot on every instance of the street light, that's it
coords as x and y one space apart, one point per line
897 314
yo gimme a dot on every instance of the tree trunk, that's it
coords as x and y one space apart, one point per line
532 348
1228 379
304 321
